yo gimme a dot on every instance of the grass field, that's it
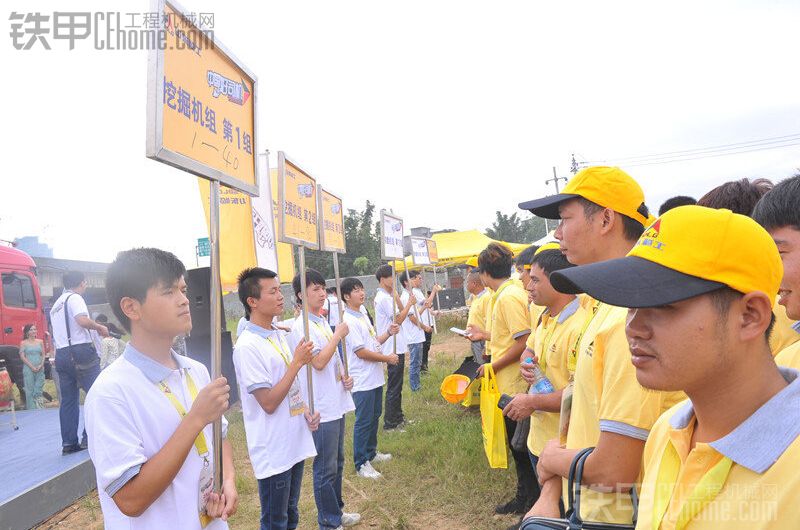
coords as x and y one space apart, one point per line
438 478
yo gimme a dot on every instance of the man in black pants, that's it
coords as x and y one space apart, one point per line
385 299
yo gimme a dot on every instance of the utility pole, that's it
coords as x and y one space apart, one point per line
574 165
554 180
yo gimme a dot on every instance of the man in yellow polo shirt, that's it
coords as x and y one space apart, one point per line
602 214
550 346
476 319
779 213
509 327
701 284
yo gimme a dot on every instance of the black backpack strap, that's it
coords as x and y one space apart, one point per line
66 318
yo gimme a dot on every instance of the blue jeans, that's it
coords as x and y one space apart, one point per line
414 365
365 430
279 496
328 468
77 366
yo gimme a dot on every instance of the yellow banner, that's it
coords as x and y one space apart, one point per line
208 112
237 249
299 215
332 219
285 254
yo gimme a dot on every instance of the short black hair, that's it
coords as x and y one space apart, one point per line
133 272
404 277
738 196
780 206
551 260
674 202
496 261
525 257
249 287
348 285
72 279
313 277
632 229
722 299
384 271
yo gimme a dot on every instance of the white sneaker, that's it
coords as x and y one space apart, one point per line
381 457
351 519
367 471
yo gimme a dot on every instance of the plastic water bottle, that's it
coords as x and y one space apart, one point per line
541 384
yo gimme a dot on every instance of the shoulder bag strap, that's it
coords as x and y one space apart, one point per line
66 318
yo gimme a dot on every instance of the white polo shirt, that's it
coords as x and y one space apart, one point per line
331 399
425 313
413 333
276 441
332 307
384 316
128 420
367 375
77 307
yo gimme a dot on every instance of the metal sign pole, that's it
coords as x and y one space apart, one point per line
394 307
216 325
341 310
438 305
302 252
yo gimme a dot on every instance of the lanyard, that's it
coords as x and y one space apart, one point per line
200 441
572 360
372 331
704 492
280 350
546 343
328 335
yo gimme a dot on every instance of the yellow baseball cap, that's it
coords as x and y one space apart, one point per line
610 187
473 261
688 251
553 245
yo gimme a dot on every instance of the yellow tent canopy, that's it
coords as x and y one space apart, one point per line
455 248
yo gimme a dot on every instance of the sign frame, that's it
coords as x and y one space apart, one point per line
413 257
282 237
155 111
431 241
321 222
385 257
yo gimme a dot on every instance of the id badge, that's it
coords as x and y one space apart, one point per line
206 487
296 404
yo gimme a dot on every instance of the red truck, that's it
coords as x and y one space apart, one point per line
20 304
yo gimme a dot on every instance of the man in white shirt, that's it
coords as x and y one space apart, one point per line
77 362
331 308
365 360
277 420
331 399
417 324
154 460
386 300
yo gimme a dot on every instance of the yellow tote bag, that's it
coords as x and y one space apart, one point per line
493 426
473 398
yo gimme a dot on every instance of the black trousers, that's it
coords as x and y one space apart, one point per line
393 410
527 483
426 347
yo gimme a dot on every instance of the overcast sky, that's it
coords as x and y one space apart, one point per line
443 111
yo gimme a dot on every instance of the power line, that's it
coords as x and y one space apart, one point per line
713 155
737 146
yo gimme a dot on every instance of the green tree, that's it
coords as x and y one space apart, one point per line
515 229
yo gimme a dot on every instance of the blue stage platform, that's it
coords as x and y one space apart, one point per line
37 481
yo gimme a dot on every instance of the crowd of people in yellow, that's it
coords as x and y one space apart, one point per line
668 345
